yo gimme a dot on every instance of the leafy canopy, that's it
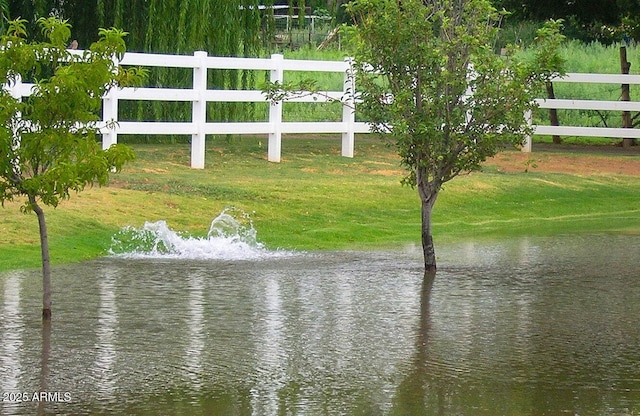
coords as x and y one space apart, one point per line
428 74
546 58
49 141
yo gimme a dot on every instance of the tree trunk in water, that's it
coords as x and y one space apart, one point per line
553 113
44 363
428 248
428 191
46 263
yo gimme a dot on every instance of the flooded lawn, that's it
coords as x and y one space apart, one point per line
529 326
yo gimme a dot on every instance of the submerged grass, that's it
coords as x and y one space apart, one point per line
315 199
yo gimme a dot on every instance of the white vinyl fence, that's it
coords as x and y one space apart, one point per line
619 106
199 95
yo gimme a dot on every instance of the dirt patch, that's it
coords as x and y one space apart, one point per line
155 171
576 160
387 172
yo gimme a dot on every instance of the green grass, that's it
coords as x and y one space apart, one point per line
541 204
316 200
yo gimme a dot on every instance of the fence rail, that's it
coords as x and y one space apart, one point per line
199 95
563 104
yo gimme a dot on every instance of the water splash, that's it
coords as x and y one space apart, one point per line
231 237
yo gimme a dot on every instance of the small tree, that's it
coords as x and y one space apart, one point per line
429 77
48 141
549 63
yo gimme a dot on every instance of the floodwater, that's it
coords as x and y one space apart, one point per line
532 326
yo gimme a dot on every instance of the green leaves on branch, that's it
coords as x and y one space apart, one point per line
547 63
111 42
49 141
281 91
17 28
455 102
56 31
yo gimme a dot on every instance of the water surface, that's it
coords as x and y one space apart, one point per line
527 326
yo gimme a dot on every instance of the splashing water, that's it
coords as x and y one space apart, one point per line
231 237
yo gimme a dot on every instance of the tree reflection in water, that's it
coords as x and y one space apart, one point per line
417 394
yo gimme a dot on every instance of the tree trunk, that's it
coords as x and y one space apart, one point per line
428 249
428 191
553 113
46 263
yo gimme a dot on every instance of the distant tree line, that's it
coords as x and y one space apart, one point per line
241 28
219 27
605 21
223 28
178 26
247 28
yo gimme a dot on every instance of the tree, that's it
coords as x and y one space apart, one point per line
4 15
585 11
605 21
549 63
48 141
429 77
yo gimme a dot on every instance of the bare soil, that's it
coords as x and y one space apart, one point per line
572 159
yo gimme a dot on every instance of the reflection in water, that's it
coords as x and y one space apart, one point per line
196 326
44 365
270 361
414 392
106 331
531 326
345 325
11 330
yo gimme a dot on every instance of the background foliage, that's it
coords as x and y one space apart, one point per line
240 28
606 21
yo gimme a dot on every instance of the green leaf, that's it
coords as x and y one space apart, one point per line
48 143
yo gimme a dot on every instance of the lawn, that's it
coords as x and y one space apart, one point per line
317 200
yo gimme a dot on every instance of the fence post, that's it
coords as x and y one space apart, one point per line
16 89
348 110
16 92
110 118
526 146
110 113
275 112
199 111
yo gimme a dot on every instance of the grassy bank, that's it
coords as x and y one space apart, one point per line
316 199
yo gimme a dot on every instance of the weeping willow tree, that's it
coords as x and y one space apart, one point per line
224 28
29 10
4 15
219 27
